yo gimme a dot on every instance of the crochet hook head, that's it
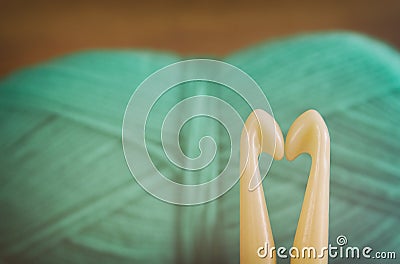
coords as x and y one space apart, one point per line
307 134
261 133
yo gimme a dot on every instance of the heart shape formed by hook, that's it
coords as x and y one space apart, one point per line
307 134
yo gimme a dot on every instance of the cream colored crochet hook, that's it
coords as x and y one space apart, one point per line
309 134
260 134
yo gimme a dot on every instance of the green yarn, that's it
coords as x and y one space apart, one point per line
67 195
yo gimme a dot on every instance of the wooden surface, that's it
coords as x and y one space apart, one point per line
33 31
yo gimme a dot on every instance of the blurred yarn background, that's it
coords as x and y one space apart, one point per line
66 193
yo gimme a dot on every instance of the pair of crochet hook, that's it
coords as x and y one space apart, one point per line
308 134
